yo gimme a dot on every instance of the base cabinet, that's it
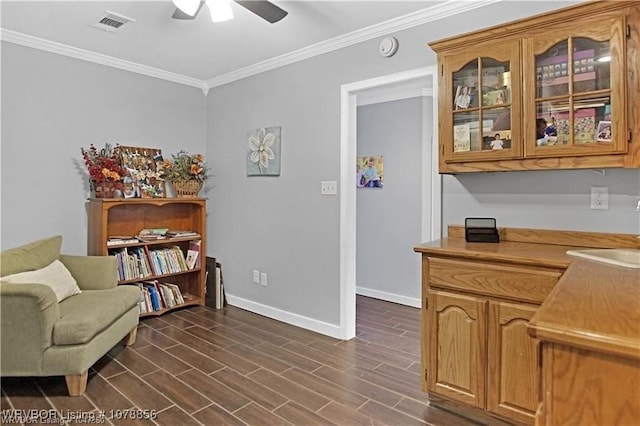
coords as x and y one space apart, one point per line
478 349
584 387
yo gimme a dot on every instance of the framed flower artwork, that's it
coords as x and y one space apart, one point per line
263 151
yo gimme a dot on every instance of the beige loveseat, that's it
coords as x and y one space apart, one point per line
41 336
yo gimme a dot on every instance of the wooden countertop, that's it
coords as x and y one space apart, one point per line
554 256
594 306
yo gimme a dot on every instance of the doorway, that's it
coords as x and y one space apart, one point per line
431 224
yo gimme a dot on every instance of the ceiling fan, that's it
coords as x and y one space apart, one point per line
220 10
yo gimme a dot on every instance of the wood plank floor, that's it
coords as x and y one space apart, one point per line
232 367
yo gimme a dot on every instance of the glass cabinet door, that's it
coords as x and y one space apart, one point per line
478 92
577 106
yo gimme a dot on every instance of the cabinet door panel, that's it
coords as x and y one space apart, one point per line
577 90
481 114
513 362
456 360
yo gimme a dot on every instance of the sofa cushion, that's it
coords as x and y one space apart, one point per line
85 315
29 257
55 275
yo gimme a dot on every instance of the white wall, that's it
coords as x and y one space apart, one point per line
51 106
550 200
386 266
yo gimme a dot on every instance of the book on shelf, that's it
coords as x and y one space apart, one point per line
115 240
179 234
461 137
156 296
195 247
156 302
142 303
133 263
192 257
168 260
168 295
147 238
175 290
153 231
152 234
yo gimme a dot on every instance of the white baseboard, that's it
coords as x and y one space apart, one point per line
389 297
321 327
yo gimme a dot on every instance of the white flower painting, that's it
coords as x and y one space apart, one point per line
263 154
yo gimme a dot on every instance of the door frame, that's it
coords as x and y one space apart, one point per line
348 146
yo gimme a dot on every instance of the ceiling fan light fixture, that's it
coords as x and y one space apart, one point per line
220 10
190 7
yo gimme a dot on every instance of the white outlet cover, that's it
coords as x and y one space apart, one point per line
599 198
329 187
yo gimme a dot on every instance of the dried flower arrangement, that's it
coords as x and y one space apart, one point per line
184 167
104 165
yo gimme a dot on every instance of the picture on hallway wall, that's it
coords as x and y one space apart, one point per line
370 171
263 152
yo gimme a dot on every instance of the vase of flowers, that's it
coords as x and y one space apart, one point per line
186 172
105 170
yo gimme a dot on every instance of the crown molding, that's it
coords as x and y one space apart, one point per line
433 13
86 55
430 14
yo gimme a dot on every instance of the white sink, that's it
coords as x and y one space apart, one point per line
629 258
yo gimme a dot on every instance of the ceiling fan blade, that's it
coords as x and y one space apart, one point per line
264 9
178 14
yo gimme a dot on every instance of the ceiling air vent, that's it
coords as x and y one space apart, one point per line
110 21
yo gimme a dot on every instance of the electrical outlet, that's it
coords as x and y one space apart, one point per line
328 187
599 198
263 279
256 276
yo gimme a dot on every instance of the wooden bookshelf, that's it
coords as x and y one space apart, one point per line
116 216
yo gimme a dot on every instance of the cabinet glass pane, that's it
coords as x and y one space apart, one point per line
466 133
592 120
496 82
552 71
589 119
465 87
496 133
552 123
591 65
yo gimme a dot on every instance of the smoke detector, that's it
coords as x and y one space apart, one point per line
110 21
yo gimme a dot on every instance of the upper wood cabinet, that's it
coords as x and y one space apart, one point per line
571 72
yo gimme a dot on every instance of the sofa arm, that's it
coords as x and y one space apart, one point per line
28 313
92 272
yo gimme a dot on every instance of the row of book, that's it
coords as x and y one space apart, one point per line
140 262
156 295
146 235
